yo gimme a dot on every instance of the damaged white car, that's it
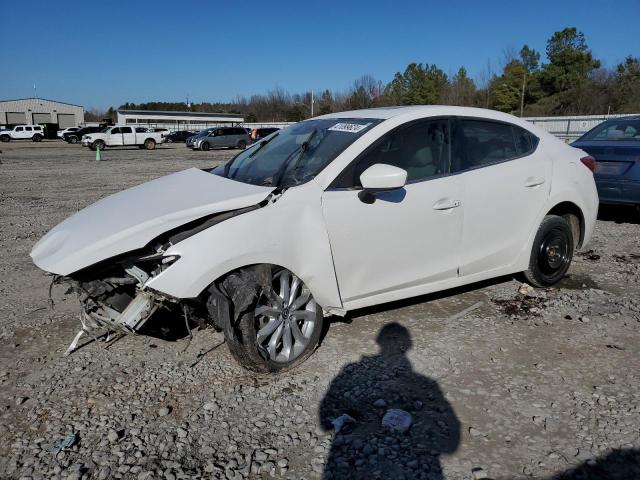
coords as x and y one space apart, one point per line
331 214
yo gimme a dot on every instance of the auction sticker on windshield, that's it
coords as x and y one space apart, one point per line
348 127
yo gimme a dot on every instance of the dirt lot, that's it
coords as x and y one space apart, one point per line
499 383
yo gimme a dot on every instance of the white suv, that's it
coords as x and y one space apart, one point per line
22 132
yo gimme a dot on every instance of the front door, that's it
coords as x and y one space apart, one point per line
506 179
115 137
405 238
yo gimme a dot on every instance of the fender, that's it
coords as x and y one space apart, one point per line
289 232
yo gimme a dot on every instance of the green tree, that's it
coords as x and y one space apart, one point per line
565 77
325 105
530 60
418 85
462 89
626 86
296 113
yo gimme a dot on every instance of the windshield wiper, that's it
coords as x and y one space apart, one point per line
303 149
262 144
227 165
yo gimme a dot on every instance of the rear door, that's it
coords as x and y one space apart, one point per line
128 136
505 181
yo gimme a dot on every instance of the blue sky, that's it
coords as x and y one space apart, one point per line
108 53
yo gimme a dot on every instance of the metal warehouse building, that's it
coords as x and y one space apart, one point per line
177 120
48 113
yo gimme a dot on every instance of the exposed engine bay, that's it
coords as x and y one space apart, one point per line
114 298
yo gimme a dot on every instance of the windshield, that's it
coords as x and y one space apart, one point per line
619 129
295 154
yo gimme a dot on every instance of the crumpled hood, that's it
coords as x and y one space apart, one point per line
132 218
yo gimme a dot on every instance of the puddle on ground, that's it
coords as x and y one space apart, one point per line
577 282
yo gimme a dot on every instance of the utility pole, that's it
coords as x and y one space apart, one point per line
524 83
312 103
35 91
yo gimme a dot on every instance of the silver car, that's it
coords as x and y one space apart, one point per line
223 137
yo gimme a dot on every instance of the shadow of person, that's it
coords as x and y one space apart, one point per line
621 464
365 391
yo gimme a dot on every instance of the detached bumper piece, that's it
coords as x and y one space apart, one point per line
99 318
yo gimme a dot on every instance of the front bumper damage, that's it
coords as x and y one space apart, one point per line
105 310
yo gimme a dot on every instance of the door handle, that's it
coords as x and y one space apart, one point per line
446 204
533 182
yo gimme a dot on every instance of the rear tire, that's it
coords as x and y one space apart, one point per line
280 330
5 138
150 144
242 145
551 252
205 146
37 137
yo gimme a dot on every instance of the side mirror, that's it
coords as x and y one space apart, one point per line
381 178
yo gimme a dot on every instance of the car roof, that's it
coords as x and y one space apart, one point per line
624 117
385 113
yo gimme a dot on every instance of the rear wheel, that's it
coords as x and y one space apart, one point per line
5 138
37 137
150 144
282 328
551 253
205 146
242 145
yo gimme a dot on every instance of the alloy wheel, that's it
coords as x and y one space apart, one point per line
285 318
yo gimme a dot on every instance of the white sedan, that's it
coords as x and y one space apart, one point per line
335 213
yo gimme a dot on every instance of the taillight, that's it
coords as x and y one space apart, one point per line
589 162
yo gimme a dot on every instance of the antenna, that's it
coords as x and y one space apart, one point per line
35 90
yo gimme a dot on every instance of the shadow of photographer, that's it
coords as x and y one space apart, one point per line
366 391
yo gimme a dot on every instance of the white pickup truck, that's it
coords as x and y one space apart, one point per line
120 135
22 132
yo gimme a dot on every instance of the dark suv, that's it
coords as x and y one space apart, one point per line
75 137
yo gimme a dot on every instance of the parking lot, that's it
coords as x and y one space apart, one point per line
502 381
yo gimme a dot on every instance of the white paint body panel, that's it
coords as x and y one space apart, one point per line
130 219
396 242
349 253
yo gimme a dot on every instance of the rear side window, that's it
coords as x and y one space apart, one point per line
37 128
141 130
125 130
619 129
478 143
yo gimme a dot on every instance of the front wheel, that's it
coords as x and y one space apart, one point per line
73 140
242 145
281 330
98 144
205 146
551 253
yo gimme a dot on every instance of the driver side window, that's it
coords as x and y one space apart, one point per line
421 148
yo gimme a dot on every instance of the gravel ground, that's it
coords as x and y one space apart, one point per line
500 381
